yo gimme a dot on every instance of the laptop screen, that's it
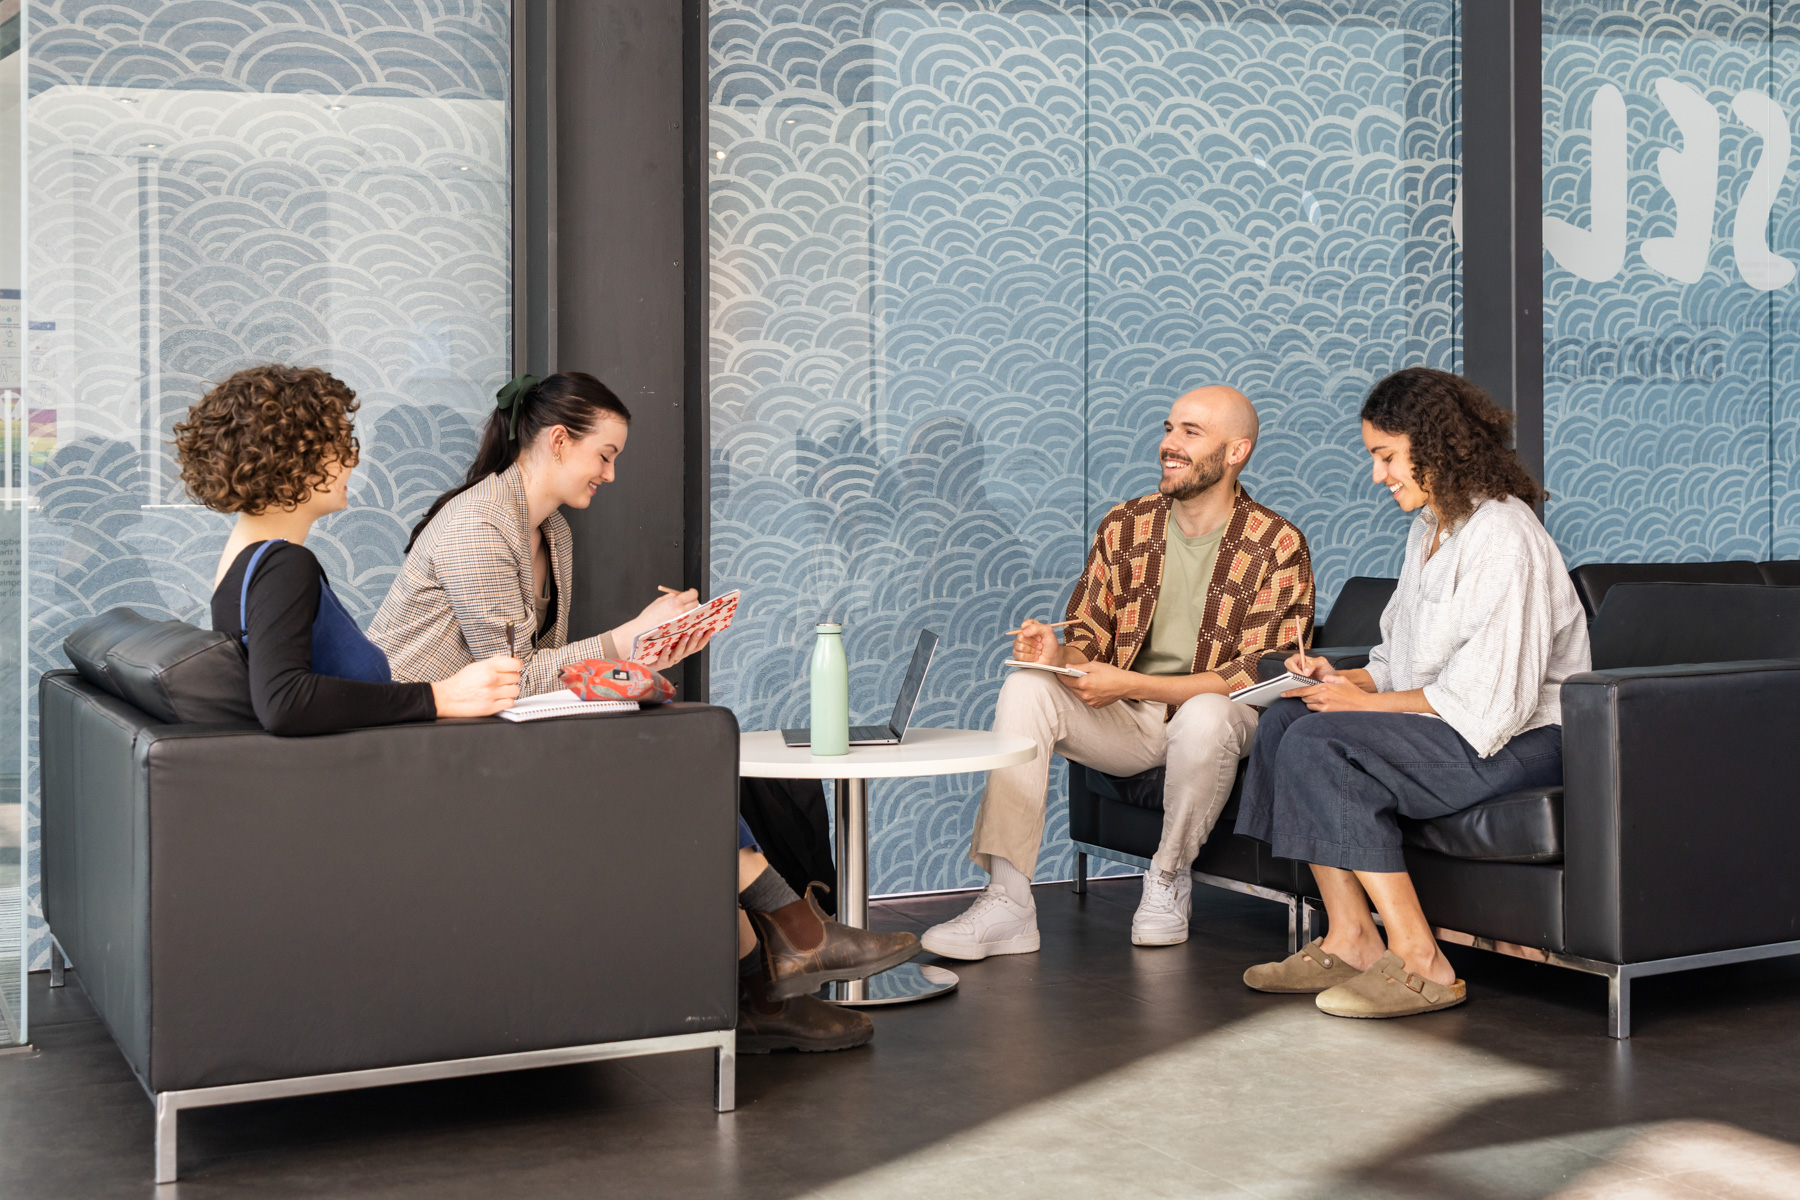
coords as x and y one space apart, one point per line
914 681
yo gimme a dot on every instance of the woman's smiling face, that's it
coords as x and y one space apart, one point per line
579 467
1393 468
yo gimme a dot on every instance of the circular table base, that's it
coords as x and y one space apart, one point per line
902 985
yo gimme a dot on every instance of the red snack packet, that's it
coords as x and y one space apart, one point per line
612 679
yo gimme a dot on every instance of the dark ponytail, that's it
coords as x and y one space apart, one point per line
525 408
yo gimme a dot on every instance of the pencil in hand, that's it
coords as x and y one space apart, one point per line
1046 625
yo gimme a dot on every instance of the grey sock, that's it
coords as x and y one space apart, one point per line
767 892
751 963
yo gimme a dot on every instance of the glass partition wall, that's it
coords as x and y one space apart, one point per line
13 464
1671 393
323 184
964 256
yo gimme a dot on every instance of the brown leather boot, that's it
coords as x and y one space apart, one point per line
802 1023
806 949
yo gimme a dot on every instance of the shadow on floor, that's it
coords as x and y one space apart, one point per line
1090 1068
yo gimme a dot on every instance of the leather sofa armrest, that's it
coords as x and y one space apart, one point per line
1342 657
1678 813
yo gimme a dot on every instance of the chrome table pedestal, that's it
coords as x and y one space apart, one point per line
764 755
906 982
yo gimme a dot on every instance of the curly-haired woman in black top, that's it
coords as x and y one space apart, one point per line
275 445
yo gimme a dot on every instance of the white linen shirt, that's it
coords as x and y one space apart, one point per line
1489 628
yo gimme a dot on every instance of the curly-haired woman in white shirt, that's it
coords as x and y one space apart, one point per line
1460 702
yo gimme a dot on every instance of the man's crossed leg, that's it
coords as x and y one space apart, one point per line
1200 746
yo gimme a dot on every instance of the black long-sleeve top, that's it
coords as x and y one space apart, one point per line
288 698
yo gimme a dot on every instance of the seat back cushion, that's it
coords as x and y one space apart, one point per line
86 648
1593 580
1659 624
1355 617
171 670
1785 573
1522 827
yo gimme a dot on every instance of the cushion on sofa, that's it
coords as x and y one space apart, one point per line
1662 624
1522 827
1593 580
86 648
177 673
1355 617
1783 573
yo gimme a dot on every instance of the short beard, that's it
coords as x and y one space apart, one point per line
1203 474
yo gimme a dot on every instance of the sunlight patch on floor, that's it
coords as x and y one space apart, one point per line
1286 1103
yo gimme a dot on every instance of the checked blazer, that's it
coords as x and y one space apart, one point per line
467 576
1260 597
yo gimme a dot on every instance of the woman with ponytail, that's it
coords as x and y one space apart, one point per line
496 552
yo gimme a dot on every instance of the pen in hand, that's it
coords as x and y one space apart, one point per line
510 649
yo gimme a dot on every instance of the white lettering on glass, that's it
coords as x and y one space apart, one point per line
1597 252
1760 266
1691 176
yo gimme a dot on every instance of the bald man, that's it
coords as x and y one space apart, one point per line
1183 592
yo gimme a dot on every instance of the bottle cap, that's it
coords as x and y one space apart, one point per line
826 625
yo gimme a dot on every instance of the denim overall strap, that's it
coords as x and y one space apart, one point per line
244 595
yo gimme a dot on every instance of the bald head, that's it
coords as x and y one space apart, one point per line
1207 440
1221 410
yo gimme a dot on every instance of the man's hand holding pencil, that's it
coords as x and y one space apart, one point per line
1035 641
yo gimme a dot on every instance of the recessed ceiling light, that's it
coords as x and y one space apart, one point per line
462 168
335 107
721 154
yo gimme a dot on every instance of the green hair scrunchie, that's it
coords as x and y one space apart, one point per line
510 398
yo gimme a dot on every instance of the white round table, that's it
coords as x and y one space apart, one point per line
922 752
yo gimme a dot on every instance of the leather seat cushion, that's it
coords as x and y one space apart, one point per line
1523 827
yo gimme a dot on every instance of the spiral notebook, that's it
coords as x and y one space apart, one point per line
563 703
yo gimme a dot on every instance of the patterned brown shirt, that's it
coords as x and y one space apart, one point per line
1260 598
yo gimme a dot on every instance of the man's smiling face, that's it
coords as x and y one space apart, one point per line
1192 453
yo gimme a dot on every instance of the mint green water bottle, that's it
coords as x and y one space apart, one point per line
830 691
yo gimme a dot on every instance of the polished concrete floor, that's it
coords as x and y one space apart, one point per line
1089 1069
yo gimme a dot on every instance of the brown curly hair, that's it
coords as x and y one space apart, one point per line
1461 439
262 439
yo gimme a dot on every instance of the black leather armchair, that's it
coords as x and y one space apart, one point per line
255 916
1666 849
1120 819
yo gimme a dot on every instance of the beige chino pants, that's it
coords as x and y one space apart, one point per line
1201 747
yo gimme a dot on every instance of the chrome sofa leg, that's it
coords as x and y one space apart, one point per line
1295 907
1618 1003
1309 921
1081 868
58 962
725 1073
166 1116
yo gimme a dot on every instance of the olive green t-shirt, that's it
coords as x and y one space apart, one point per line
1180 603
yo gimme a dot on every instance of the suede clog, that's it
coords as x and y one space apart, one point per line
1388 989
1307 970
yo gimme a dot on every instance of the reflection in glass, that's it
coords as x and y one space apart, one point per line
14 432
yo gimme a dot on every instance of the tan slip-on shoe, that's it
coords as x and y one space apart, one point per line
1388 989
1308 969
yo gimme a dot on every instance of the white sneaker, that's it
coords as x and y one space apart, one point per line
1162 915
994 924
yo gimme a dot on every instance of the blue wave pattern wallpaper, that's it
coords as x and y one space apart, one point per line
218 185
1670 410
963 258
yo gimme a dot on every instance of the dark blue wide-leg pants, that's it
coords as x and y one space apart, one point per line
1329 788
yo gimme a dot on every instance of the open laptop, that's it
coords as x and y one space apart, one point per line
891 733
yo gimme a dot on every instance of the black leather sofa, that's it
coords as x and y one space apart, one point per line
1666 848
1593 579
255 916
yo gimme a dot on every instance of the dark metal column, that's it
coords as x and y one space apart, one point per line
1502 211
610 273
